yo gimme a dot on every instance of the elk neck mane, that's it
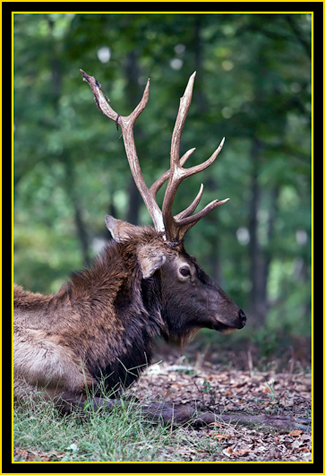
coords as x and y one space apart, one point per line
127 310
111 269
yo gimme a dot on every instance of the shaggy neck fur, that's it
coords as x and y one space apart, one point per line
116 315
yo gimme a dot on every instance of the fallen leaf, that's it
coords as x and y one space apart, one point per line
222 436
22 453
216 424
296 444
228 451
295 432
304 449
242 452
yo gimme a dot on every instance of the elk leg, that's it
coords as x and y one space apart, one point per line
171 414
69 403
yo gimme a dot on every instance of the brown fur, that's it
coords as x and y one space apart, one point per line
103 322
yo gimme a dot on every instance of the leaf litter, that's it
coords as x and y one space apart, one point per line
236 391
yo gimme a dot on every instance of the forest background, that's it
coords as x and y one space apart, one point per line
253 86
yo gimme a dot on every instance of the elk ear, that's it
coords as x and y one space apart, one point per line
121 231
150 261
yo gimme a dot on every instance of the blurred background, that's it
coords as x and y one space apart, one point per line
253 86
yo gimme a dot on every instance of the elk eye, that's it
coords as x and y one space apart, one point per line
185 271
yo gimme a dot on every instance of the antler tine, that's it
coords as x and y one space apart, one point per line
155 187
180 218
190 209
177 173
177 226
127 124
184 106
187 222
182 222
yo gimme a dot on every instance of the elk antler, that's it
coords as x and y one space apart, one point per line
172 227
127 124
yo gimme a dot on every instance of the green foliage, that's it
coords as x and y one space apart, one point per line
252 86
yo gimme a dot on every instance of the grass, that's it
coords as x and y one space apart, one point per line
118 436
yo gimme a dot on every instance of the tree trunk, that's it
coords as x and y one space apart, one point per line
258 305
69 184
201 103
133 94
78 213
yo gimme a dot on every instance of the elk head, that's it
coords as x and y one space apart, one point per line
192 300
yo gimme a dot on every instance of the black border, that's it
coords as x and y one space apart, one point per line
191 467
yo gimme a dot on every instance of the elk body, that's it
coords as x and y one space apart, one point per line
102 324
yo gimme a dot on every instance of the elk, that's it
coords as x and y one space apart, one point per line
102 324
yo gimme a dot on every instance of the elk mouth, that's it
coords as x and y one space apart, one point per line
224 328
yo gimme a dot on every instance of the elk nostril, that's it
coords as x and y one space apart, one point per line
242 317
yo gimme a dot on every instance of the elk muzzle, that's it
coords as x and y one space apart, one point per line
223 314
237 324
